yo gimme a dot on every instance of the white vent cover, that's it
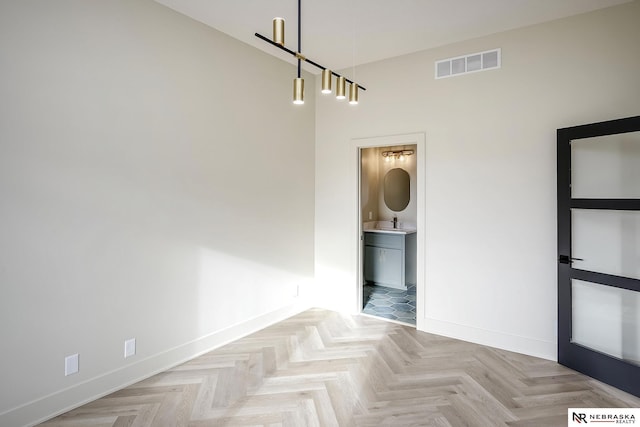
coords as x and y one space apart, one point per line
481 61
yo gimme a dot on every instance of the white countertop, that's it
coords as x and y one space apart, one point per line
387 227
390 230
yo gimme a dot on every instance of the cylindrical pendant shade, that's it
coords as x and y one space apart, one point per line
353 93
278 31
326 80
298 90
340 87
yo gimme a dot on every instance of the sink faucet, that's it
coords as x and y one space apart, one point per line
395 222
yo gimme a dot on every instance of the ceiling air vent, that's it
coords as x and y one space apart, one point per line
466 64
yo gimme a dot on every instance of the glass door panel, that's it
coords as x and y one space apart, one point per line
606 241
606 319
606 167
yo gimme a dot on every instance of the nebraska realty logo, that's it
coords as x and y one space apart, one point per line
582 416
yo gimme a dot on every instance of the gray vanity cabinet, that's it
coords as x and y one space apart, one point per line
386 258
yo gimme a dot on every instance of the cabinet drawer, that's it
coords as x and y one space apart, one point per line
384 240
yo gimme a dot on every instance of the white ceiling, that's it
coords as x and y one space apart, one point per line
340 33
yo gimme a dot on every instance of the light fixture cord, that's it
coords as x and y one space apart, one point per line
299 37
353 39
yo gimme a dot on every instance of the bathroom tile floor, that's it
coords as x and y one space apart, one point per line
390 303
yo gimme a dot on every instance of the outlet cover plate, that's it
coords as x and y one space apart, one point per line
71 364
129 347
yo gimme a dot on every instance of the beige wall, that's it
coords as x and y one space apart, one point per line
490 260
374 170
369 184
406 217
153 184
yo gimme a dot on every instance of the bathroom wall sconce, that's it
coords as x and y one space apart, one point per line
396 154
298 84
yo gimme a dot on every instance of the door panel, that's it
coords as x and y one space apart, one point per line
383 266
371 254
606 166
599 251
391 274
606 241
606 319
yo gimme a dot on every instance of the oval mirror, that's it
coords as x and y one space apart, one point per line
396 189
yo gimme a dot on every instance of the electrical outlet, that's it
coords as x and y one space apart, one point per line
129 347
71 364
370 215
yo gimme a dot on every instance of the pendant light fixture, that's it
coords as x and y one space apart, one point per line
298 82
353 93
278 31
326 80
298 91
340 88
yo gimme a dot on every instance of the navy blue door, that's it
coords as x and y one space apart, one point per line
599 251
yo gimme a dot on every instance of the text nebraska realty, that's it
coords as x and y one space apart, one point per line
605 418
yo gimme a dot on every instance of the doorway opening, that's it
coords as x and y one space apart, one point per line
391 227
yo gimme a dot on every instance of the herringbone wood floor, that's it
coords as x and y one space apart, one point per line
321 368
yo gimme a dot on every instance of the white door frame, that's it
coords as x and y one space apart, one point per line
419 140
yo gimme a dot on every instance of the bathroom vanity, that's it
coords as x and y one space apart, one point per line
390 257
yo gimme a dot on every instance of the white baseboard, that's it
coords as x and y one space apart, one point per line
61 401
519 344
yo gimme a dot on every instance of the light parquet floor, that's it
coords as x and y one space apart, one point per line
321 368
